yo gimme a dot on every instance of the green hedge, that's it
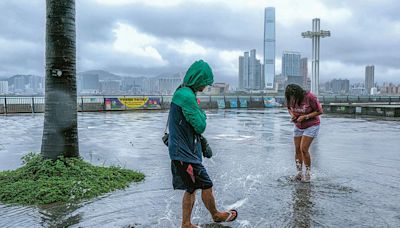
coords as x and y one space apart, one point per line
43 181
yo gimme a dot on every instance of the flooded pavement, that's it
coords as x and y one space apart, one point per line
355 180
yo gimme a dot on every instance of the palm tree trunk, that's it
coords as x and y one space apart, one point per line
60 131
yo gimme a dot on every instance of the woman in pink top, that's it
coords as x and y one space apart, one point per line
304 109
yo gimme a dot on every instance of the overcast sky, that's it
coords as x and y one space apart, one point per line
150 37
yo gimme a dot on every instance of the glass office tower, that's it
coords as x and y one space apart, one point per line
269 47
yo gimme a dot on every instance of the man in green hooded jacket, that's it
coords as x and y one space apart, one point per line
187 121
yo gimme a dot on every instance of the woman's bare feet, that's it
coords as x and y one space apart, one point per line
298 176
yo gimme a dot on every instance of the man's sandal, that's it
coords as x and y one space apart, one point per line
231 217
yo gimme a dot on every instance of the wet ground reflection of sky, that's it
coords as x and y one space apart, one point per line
355 181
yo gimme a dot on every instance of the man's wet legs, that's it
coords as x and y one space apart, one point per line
207 196
187 207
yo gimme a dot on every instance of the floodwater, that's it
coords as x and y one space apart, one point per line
355 165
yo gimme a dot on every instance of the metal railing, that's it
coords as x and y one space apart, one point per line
359 99
108 103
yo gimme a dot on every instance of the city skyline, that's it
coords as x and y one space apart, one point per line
142 38
109 83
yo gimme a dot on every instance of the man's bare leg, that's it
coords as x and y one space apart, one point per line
207 196
187 206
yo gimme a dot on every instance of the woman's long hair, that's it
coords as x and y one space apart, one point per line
294 94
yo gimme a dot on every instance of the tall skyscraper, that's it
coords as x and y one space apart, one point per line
269 47
262 76
246 84
250 71
254 71
241 72
369 78
304 71
291 64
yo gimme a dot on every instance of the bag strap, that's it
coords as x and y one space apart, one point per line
166 126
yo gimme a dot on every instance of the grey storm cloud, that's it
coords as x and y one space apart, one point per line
213 25
368 36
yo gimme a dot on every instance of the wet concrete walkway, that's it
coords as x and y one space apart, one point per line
355 182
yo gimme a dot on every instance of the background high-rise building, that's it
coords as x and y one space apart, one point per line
291 64
90 82
338 86
250 72
369 78
281 82
357 89
19 83
255 81
3 87
241 72
216 89
291 68
246 84
304 71
167 84
262 76
110 86
269 47
133 85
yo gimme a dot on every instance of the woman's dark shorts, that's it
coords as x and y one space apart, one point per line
189 176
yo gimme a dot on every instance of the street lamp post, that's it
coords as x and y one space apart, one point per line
315 35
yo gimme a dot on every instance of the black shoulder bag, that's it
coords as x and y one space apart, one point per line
166 134
205 147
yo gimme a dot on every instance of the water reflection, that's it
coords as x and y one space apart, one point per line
59 214
302 205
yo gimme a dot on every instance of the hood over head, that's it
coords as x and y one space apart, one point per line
198 75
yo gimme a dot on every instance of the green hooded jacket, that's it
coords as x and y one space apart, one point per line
198 75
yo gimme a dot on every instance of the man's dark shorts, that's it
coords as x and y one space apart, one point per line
189 176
